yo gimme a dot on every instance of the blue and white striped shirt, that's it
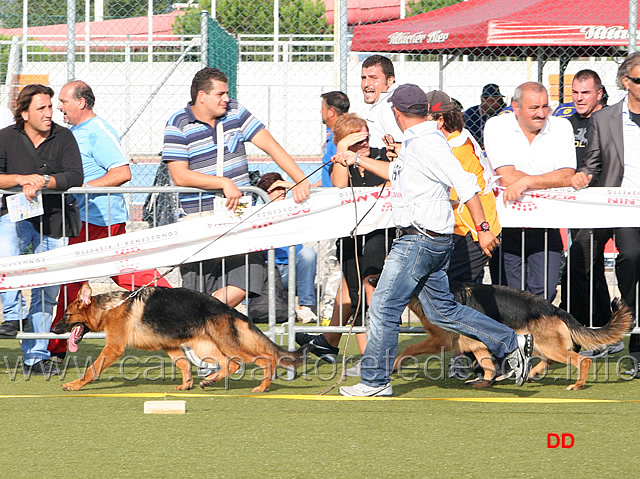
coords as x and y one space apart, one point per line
188 139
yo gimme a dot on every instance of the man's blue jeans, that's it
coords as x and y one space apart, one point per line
418 265
305 276
15 237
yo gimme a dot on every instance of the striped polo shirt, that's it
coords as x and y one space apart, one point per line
189 139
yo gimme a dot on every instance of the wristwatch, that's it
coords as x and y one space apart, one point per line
357 162
47 179
484 226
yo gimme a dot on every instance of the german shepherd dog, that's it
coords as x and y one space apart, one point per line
170 319
555 332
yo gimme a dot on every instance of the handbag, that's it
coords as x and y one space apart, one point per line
71 212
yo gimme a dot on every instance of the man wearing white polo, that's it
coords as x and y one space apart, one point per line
531 150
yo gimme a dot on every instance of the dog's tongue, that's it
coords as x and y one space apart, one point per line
75 337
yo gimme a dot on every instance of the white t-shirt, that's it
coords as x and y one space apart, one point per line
553 147
6 117
380 121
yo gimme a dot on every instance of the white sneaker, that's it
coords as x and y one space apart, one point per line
603 350
305 315
362 390
520 359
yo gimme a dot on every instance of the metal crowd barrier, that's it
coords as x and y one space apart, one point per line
136 196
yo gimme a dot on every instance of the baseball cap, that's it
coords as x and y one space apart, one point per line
491 90
407 96
440 102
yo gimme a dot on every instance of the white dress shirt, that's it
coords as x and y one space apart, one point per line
631 139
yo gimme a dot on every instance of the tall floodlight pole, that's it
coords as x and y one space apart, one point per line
340 34
633 25
71 40
204 38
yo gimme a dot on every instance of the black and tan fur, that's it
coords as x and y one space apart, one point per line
554 330
165 318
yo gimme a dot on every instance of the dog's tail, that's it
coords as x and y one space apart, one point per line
612 332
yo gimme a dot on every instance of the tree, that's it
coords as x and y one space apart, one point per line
243 17
48 12
422 6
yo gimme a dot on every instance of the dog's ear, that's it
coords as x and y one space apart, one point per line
84 295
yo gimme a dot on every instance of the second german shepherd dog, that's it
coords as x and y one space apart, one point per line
554 330
169 319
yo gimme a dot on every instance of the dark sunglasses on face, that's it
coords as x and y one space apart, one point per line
362 142
635 80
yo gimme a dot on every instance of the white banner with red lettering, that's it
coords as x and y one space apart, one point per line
568 208
327 214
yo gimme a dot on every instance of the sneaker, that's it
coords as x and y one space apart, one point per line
12 328
305 315
41 368
520 359
603 350
318 345
459 368
57 357
354 372
362 390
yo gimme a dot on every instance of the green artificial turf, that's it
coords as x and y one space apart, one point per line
235 433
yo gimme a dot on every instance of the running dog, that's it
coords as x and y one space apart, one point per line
174 320
555 332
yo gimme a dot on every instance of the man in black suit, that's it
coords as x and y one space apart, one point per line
612 160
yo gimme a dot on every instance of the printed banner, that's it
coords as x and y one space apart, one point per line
568 208
327 214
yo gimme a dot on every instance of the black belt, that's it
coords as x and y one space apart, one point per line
411 230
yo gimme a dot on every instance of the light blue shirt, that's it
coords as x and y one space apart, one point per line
329 151
100 150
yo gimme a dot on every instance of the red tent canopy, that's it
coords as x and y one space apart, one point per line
477 25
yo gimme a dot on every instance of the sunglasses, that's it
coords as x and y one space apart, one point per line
362 142
277 188
635 80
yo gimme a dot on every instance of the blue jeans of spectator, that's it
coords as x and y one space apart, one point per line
305 276
15 237
418 265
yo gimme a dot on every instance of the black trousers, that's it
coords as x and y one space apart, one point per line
586 258
628 273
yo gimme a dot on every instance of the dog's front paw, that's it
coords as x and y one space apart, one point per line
184 386
72 386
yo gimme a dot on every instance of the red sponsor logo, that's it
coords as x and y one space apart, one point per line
263 225
623 201
524 206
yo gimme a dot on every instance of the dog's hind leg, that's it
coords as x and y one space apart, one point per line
580 362
268 365
184 366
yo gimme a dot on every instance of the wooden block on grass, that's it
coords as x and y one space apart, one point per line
165 407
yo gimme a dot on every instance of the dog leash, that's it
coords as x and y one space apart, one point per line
136 291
